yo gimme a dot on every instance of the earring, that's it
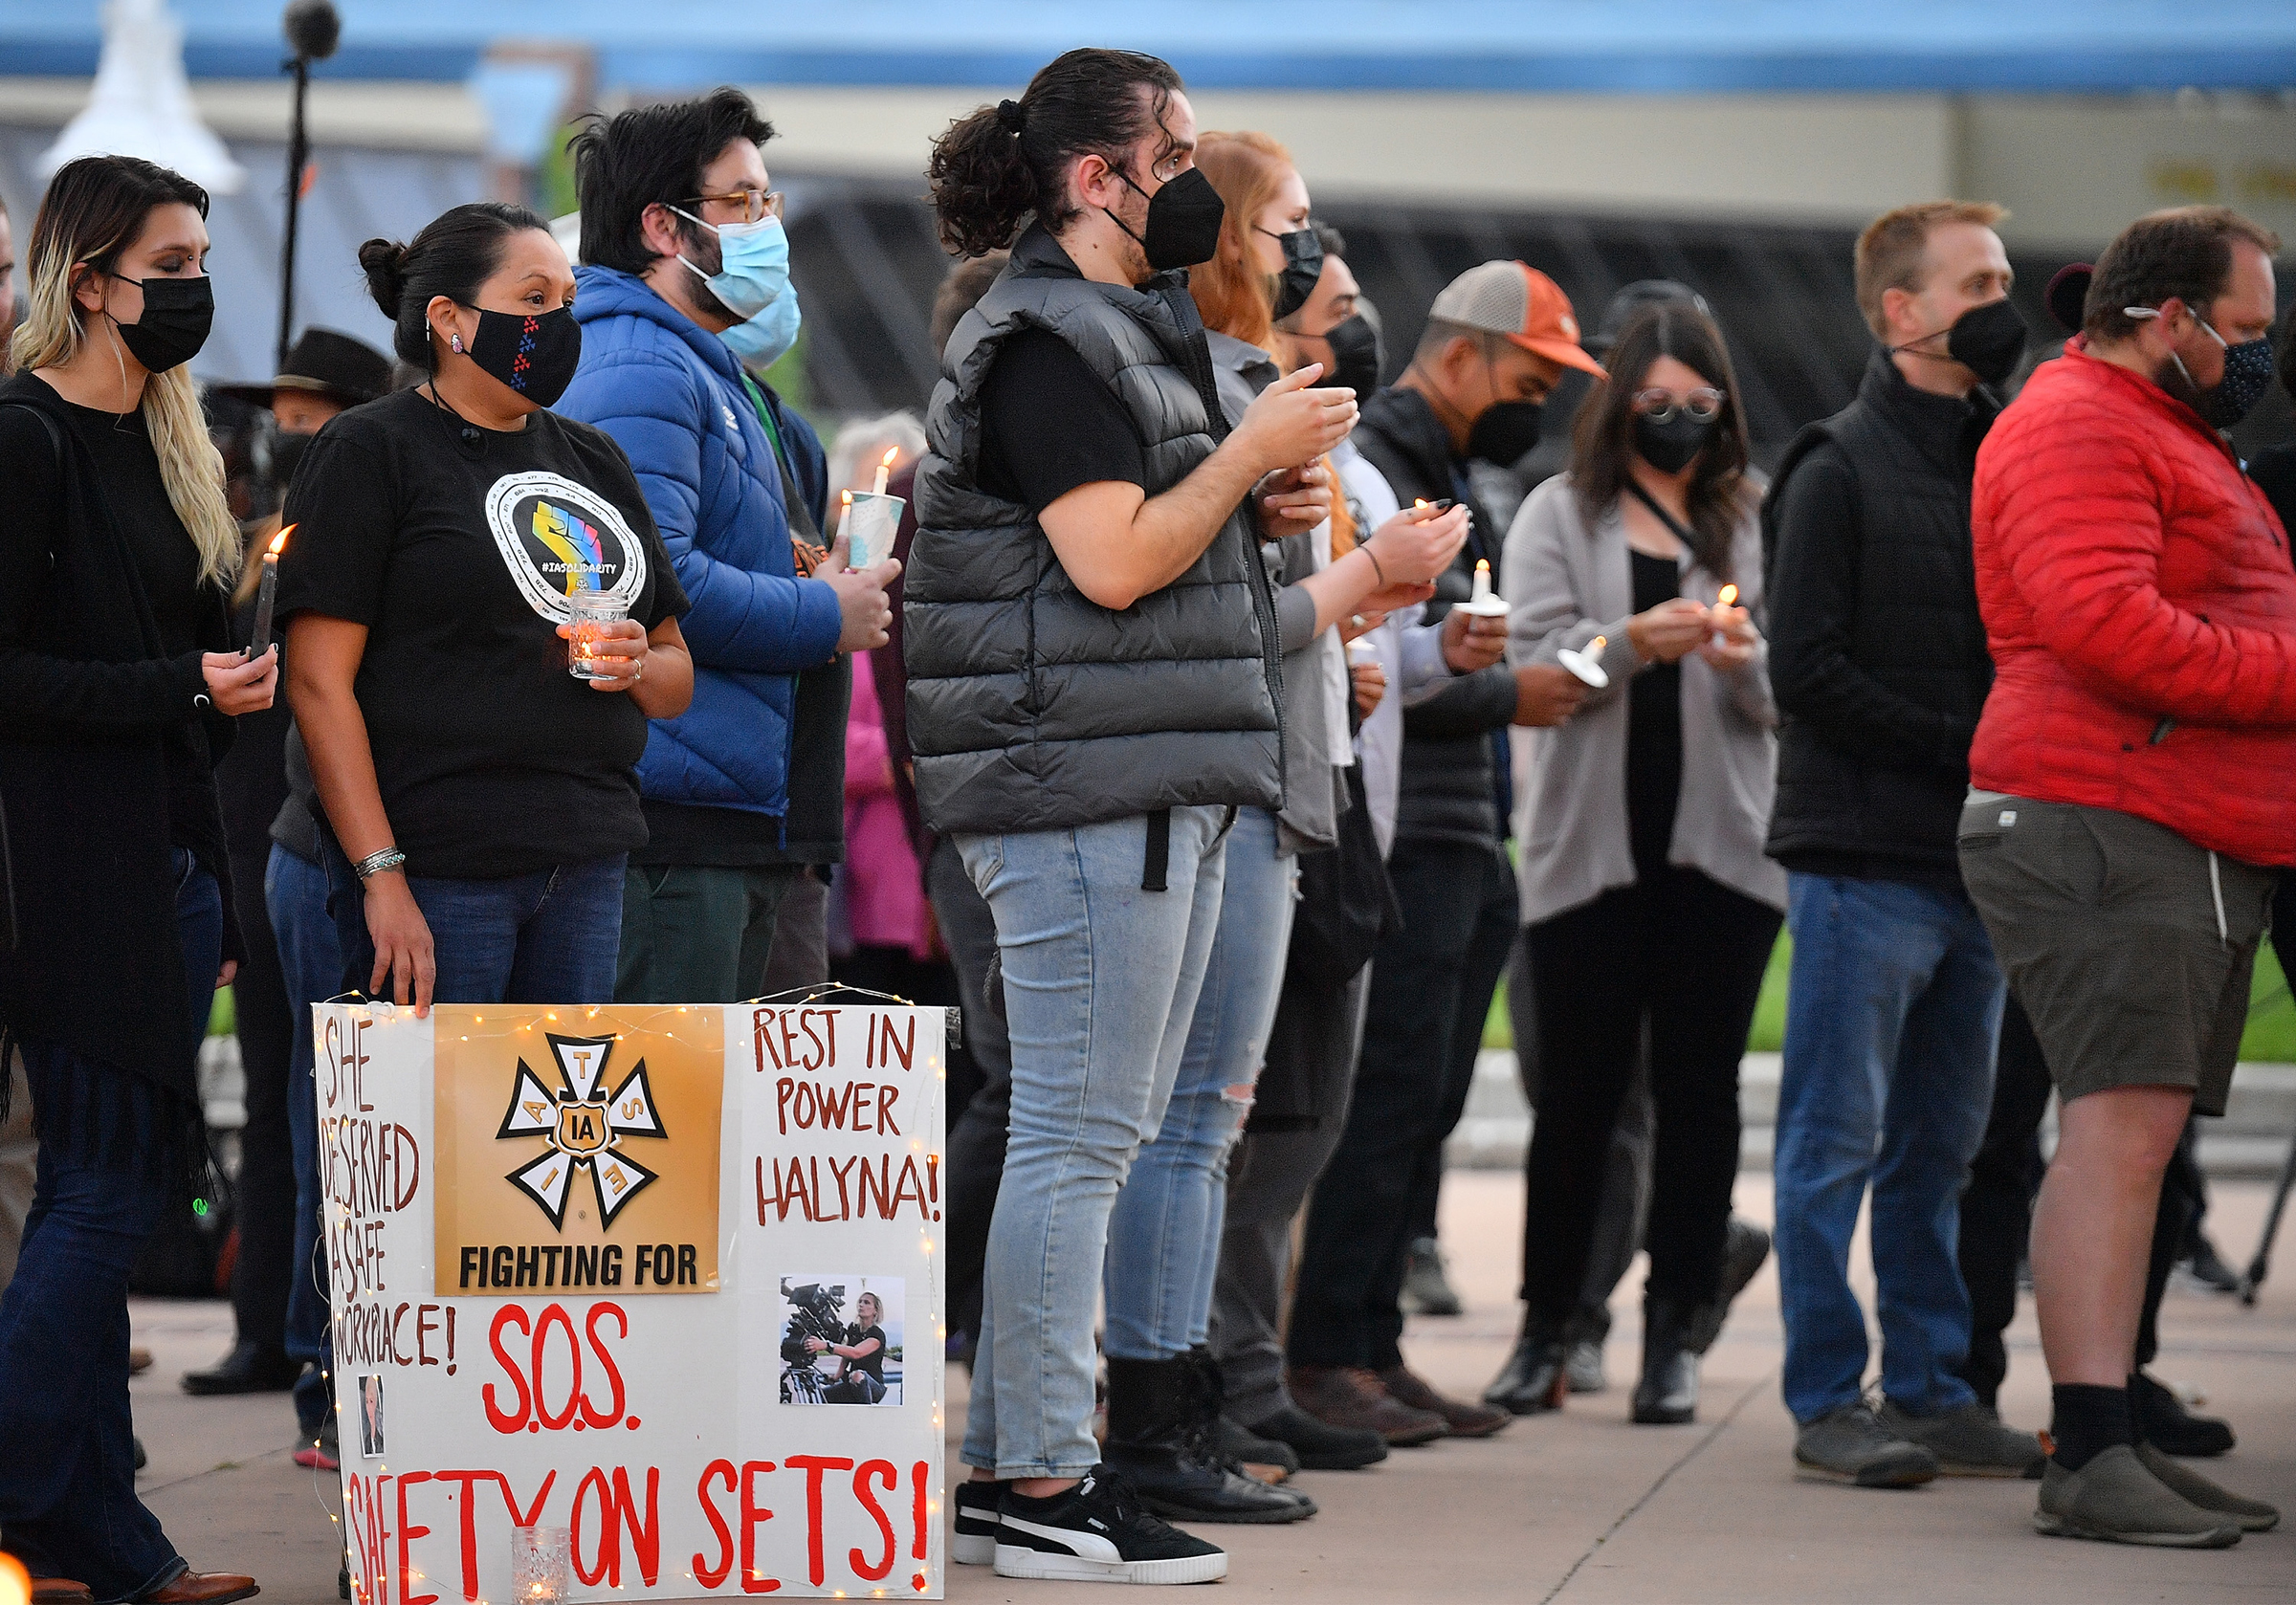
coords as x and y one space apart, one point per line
455 344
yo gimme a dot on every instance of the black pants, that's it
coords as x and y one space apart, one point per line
1681 956
1431 986
977 1136
1996 1205
265 1195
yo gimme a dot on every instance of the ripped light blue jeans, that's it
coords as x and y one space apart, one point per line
1163 1237
1100 984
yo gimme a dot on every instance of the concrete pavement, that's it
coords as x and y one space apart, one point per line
1578 1508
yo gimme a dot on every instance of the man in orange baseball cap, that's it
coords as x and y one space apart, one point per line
1497 341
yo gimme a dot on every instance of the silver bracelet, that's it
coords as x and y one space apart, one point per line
378 863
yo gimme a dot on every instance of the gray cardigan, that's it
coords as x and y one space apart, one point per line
1566 587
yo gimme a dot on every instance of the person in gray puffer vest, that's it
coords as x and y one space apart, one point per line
1093 690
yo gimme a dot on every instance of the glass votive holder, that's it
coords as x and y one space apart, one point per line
587 611
540 1565
869 525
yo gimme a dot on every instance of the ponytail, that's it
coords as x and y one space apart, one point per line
994 170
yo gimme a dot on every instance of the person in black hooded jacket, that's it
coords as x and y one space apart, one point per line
117 684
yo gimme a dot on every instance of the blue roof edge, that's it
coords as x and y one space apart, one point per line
2106 71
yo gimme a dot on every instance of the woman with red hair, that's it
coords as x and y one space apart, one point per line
1165 1234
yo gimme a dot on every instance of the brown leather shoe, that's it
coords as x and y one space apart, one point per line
203 1588
1353 1397
138 1359
1464 1420
60 1591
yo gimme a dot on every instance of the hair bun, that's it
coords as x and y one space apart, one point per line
384 262
1012 116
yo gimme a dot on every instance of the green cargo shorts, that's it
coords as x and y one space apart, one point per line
2130 947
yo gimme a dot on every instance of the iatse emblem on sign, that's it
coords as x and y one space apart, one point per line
585 1129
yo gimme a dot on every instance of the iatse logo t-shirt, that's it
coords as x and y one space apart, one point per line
461 553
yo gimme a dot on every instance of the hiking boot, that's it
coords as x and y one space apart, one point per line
1970 1441
973 1529
2253 1514
1851 1445
2163 1422
1464 1420
1239 1443
1582 1366
1667 1394
1532 1378
1156 1442
1427 1281
1319 1446
2115 1500
1352 1398
1099 1531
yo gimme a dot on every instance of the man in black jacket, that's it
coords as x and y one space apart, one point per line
1878 659
1497 339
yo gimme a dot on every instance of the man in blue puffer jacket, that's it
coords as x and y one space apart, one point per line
732 477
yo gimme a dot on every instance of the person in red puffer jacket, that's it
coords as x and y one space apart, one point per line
2133 781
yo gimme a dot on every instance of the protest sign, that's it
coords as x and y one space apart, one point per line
614 1271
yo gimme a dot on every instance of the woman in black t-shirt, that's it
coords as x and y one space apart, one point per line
862 1378
117 677
481 801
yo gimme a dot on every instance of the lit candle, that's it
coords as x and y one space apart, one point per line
265 593
1483 602
1588 665
1727 599
885 470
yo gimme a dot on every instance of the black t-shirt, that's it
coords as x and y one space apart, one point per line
1048 424
2274 470
874 1361
459 550
166 559
1653 729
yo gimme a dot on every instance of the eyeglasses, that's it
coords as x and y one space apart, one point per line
755 204
1703 403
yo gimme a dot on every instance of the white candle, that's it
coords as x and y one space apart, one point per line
885 470
1484 604
1481 580
1727 599
1588 665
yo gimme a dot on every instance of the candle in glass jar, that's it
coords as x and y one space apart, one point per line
265 593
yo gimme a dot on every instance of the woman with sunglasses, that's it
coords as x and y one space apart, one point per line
1651 908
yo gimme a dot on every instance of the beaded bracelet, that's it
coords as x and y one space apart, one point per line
377 862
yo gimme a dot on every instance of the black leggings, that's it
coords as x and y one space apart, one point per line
1681 956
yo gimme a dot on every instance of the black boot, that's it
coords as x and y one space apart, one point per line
1534 1379
1208 1421
1154 1436
1667 1394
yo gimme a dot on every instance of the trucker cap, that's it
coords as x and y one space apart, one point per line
1516 300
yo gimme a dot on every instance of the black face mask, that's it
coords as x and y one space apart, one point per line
177 315
288 449
1356 359
1183 221
1988 340
1674 444
1505 432
534 354
1303 265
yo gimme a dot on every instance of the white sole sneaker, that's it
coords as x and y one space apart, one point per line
1017 1560
973 1548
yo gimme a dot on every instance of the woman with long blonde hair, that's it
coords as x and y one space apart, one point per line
118 682
1165 1233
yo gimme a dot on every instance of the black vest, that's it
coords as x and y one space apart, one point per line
1912 628
1030 706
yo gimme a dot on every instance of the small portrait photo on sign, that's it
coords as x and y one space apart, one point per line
841 1340
371 1416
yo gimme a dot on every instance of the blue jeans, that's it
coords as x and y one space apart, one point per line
68 1505
552 936
1891 1025
295 893
1100 984
1163 1234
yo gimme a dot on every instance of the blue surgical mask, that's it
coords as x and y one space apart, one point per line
754 264
764 340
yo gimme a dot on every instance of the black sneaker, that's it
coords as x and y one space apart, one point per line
972 1530
1319 1446
2207 1266
1099 1532
2163 1422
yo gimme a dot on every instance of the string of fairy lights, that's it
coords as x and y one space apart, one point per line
381 1012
